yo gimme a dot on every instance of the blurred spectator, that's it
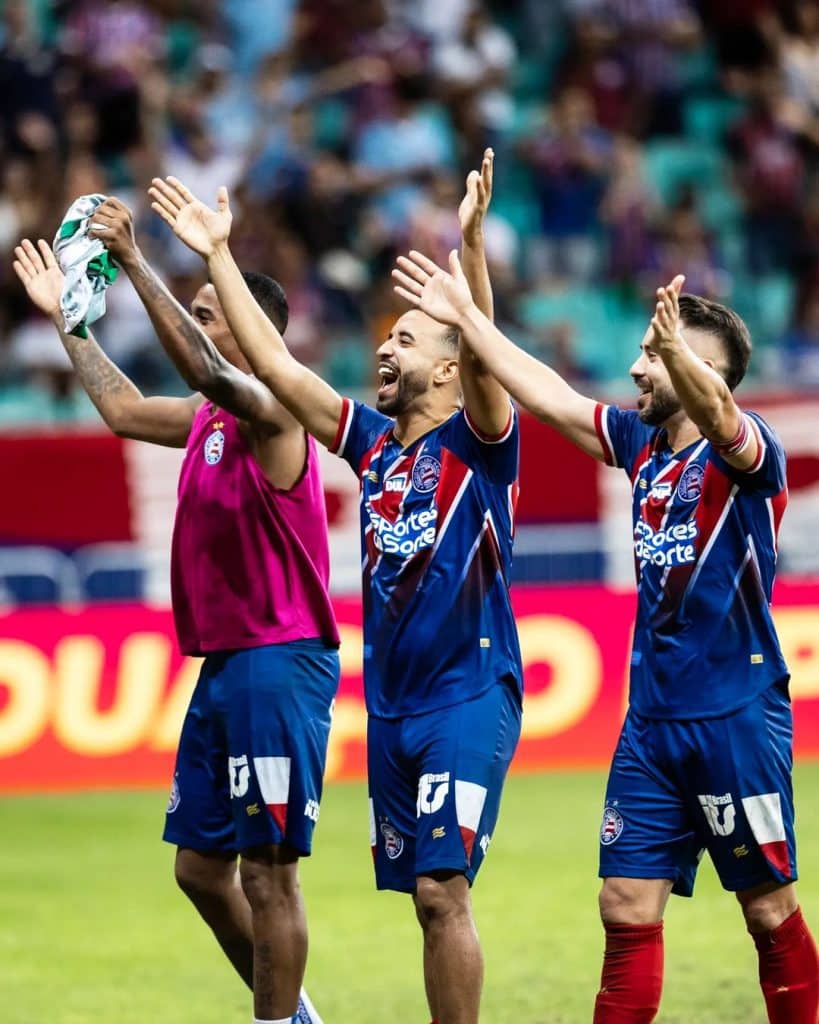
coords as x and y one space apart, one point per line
799 349
570 160
628 209
683 246
771 173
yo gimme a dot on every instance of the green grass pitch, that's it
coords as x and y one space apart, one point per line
92 928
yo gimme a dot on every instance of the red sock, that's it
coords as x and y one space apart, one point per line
789 972
632 978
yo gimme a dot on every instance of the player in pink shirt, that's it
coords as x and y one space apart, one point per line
250 570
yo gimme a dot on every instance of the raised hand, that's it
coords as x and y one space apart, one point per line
443 296
113 224
197 225
475 203
665 323
41 276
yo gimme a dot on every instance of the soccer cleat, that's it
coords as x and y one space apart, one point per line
306 1013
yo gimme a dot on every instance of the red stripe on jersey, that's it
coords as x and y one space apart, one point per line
642 456
490 438
343 423
453 474
761 448
779 503
600 411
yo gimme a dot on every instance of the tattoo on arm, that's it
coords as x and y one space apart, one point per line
101 378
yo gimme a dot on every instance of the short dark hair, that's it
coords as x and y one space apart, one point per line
270 296
724 324
451 337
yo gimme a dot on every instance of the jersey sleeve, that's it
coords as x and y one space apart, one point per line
622 435
497 458
359 427
767 476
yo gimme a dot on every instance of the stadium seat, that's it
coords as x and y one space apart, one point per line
111 572
674 164
37 575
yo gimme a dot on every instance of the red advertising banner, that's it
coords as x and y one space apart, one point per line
95 698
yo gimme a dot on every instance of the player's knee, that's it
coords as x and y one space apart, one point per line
631 901
440 900
269 881
766 907
202 877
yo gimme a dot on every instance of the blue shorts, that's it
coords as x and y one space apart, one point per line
435 786
251 756
679 788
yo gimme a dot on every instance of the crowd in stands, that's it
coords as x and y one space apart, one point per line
634 139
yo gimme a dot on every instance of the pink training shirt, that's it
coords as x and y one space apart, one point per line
249 563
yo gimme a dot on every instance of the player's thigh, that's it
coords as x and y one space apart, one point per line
646 831
462 755
199 814
276 702
393 789
742 793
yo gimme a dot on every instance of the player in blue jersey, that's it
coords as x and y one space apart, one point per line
704 758
437 460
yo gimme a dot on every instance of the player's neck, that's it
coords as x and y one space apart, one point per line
681 432
414 423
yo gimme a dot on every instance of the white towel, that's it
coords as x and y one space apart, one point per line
87 266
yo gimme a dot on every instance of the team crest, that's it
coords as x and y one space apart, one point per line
611 827
173 798
393 841
690 486
426 473
214 447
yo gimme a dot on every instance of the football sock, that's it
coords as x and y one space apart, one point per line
632 978
307 1013
789 972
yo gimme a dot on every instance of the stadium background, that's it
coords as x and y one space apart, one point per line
634 139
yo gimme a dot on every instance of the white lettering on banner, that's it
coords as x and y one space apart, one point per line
408 535
667 547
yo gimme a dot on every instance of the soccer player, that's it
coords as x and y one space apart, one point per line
704 757
249 575
437 460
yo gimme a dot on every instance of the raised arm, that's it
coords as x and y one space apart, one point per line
447 298
307 397
123 407
703 393
485 398
197 359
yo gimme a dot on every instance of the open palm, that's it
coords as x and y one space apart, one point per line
476 200
196 224
444 297
40 275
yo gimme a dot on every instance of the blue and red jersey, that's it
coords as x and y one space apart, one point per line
705 542
437 523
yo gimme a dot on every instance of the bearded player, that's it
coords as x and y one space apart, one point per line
442 669
704 757
249 576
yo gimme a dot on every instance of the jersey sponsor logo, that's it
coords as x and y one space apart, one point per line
432 791
611 826
439 833
239 774
393 840
661 491
407 535
396 483
690 486
173 798
311 810
426 473
214 447
666 548
719 812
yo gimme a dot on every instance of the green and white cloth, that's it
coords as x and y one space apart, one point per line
87 266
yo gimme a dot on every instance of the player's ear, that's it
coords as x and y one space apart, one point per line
447 371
